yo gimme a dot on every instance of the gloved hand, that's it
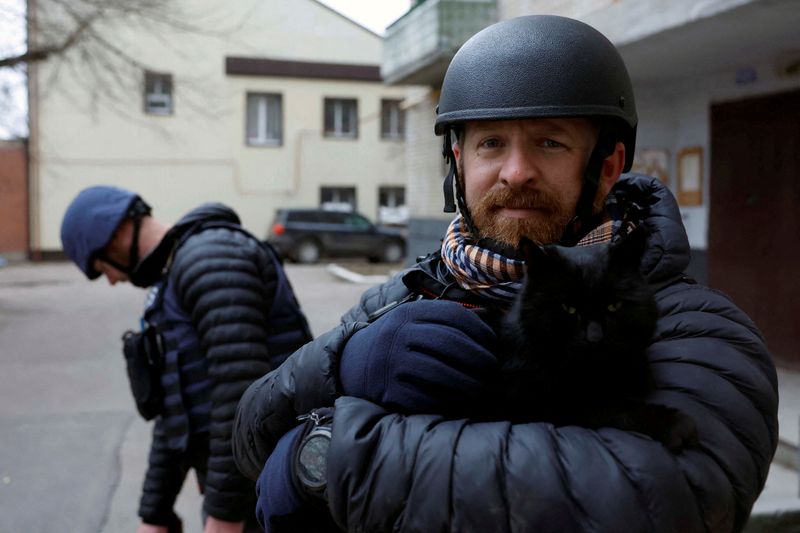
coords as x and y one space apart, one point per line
281 505
427 356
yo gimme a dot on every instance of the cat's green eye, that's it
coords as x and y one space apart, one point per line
569 309
614 307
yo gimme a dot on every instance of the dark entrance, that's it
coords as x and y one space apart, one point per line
754 229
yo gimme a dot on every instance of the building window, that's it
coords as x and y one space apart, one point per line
341 117
393 120
264 119
392 205
338 198
157 93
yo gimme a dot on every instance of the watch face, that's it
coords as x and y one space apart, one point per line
313 461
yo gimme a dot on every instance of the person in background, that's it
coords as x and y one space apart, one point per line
219 314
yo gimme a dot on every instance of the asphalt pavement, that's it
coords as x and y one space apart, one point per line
72 448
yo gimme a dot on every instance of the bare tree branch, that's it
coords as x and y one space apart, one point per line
40 54
78 39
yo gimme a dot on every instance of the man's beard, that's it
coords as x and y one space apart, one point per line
545 227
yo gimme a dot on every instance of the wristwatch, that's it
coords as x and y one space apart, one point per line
311 463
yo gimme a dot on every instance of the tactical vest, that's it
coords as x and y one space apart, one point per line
187 386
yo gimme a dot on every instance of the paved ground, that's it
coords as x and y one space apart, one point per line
781 495
73 449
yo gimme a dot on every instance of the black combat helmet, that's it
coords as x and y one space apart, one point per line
539 66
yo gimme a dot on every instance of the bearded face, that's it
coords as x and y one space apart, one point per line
524 177
549 215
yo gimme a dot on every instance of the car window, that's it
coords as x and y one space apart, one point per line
358 221
303 216
334 217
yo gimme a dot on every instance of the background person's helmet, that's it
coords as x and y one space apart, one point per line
538 66
91 220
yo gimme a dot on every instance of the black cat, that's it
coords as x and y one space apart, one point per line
575 342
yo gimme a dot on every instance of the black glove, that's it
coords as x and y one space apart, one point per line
427 356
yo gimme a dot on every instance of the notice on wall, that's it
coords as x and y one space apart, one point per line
652 162
690 176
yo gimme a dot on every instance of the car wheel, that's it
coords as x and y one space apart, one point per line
307 252
392 252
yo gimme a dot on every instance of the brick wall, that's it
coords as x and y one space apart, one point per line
13 198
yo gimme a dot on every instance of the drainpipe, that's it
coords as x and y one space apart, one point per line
32 145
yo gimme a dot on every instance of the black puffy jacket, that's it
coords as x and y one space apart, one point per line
227 316
425 473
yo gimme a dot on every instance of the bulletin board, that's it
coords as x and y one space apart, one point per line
652 162
690 176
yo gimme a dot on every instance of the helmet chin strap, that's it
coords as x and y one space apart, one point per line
585 218
133 251
450 158
136 213
453 191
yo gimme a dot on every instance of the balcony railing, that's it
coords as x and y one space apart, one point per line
418 47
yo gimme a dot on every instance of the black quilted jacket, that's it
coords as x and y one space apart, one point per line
227 317
424 473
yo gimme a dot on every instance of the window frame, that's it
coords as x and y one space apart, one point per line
157 79
350 192
339 117
399 211
264 98
396 114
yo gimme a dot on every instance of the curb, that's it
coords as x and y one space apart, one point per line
779 522
787 455
354 277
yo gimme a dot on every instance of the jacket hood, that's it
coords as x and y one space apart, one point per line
151 267
667 253
207 212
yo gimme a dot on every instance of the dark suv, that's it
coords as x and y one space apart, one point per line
305 235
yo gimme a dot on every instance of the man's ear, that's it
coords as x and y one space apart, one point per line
457 151
457 158
612 168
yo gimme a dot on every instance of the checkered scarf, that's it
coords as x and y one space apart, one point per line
490 273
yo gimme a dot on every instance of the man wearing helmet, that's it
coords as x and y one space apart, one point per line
219 314
539 122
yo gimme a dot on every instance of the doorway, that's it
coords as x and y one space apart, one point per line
754 227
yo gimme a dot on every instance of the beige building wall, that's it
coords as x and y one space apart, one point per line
568 8
81 136
425 162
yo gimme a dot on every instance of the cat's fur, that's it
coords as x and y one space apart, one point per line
575 342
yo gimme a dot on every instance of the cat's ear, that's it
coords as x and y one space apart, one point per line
627 250
530 252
